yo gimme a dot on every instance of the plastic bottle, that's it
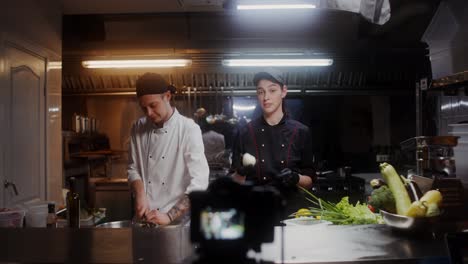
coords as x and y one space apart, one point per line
73 205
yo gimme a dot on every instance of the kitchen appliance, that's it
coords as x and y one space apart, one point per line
430 156
433 158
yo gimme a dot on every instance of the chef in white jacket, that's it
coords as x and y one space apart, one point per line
166 155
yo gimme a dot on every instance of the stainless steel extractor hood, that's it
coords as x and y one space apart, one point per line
447 37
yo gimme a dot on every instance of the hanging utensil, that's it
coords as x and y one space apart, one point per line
195 106
189 102
216 100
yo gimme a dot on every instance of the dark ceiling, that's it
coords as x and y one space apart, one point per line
208 36
319 30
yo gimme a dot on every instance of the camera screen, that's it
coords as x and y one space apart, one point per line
222 224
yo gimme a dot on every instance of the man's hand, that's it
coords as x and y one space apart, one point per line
141 206
288 177
141 201
156 217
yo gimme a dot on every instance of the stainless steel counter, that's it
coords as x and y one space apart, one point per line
339 244
330 244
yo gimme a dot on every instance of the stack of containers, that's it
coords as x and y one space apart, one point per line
36 213
12 218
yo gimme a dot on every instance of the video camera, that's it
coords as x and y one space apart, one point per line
229 219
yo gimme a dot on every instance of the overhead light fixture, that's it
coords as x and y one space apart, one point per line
169 63
277 62
274 6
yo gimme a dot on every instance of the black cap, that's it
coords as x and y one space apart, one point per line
272 75
152 83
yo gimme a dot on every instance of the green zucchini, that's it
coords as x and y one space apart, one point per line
393 180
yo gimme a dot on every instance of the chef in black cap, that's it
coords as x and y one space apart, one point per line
281 146
166 155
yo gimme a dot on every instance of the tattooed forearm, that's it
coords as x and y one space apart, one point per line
180 208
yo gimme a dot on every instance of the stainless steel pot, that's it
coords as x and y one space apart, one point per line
183 221
147 246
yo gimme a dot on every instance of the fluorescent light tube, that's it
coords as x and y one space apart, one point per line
294 91
275 54
277 62
93 64
243 107
274 6
244 91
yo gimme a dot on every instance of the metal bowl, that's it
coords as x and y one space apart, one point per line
182 221
126 224
306 221
116 224
409 223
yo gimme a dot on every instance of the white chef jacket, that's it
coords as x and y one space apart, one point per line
169 160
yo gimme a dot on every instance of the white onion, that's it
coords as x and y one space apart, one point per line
248 159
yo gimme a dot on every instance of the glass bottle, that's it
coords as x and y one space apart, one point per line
73 205
51 217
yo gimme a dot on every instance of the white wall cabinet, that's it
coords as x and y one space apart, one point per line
24 100
30 102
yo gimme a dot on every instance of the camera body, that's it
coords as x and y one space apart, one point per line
230 218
